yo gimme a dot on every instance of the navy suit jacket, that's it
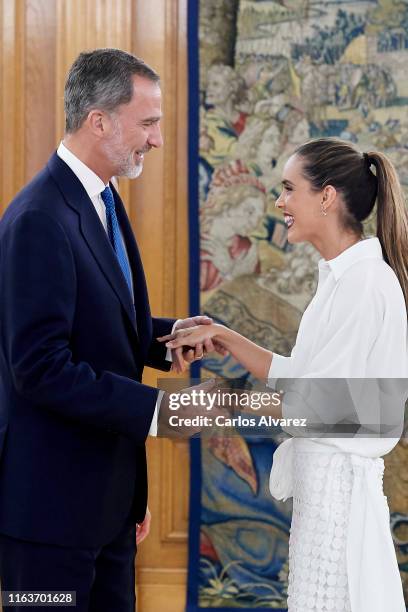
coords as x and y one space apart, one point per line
74 415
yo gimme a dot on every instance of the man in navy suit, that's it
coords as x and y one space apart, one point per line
75 334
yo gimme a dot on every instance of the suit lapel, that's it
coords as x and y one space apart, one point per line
93 232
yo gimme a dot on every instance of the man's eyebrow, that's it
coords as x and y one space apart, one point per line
152 119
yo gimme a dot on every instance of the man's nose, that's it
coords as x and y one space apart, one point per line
155 137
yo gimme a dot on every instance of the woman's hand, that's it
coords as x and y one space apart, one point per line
201 338
182 356
253 358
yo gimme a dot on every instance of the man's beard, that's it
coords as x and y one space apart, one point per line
127 167
122 161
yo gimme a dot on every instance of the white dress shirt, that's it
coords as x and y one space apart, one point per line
94 186
355 327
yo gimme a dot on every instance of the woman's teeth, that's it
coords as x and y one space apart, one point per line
289 220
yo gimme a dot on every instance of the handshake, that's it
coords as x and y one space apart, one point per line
212 405
192 339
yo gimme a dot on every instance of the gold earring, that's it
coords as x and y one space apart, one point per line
323 210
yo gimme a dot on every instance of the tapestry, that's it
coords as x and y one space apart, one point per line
265 76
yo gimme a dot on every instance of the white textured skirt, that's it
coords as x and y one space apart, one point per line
341 553
322 485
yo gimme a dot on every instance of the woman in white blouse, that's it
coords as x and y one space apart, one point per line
341 555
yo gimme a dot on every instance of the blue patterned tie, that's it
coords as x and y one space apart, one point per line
114 234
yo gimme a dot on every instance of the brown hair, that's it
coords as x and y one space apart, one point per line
329 161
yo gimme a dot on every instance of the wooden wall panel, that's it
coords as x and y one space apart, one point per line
162 561
12 93
39 40
174 493
40 77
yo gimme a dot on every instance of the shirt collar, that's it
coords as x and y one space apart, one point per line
369 248
92 183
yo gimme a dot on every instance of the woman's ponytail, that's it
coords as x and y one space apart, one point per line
392 217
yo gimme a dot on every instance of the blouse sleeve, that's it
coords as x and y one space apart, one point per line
340 390
281 367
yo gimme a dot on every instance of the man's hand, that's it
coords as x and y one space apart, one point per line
143 529
186 354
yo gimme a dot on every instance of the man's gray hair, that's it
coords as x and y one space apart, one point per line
101 79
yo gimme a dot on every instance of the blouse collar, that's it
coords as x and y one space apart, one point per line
369 248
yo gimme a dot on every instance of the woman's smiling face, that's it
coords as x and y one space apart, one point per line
300 205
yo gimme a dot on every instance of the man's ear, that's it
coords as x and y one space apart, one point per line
98 122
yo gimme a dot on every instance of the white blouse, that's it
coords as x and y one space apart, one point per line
355 327
356 324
